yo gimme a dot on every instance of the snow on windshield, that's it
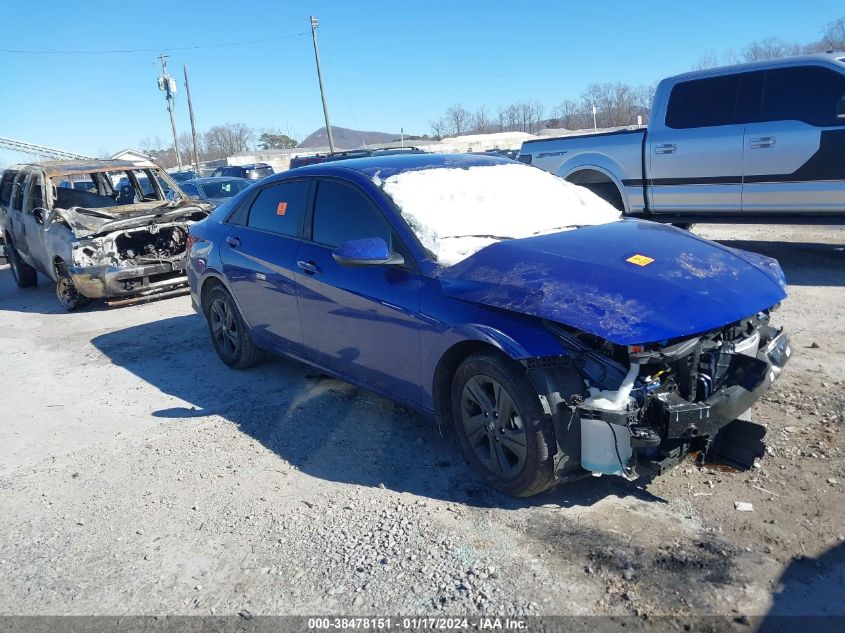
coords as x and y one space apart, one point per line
457 212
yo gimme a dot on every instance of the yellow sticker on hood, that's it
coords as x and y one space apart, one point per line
639 260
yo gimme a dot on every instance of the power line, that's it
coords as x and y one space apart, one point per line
152 50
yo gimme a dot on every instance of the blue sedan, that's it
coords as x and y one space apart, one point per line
554 337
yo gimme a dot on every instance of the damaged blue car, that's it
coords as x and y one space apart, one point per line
554 337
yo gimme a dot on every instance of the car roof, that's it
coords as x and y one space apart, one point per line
392 164
69 167
211 179
836 58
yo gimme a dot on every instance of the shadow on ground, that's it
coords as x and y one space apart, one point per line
325 427
803 263
810 587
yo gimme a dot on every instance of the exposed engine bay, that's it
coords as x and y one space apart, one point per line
131 247
648 406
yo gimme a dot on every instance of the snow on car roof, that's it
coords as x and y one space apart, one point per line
456 212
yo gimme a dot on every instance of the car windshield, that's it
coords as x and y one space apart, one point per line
457 212
182 176
223 188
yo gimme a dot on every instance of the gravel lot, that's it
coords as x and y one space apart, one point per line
138 475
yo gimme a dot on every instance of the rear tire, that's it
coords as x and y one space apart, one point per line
228 331
501 426
687 226
25 275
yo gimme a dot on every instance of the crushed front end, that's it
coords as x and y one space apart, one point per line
131 261
675 396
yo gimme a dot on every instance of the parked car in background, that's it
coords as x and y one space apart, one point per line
556 338
752 142
254 171
106 242
212 189
301 161
181 176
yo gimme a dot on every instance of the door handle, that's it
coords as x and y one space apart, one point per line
309 267
234 242
665 148
762 142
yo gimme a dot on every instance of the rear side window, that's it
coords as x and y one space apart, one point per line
809 94
258 173
280 208
342 213
6 187
703 102
17 191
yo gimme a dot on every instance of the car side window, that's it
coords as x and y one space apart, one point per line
6 187
703 102
280 208
17 191
35 199
343 213
804 93
190 190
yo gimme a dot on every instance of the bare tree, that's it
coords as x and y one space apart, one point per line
770 48
481 123
228 139
834 35
458 120
567 114
708 60
438 128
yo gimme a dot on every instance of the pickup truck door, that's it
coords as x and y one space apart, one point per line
794 156
32 219
694 158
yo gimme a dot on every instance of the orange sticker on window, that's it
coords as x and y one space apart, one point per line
639 260
281 208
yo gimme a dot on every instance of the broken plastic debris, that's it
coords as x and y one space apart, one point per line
743 506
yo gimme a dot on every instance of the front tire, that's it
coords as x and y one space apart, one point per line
25 276
501 426
68 294
228 331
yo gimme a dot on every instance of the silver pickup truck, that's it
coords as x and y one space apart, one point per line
754 142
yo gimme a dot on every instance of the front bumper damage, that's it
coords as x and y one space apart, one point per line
674 400
98 282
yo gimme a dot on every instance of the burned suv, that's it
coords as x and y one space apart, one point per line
69 221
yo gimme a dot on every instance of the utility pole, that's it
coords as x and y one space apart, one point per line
314 24
168 85
595 126
193 125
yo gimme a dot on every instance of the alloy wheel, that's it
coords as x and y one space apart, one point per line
493 426
67 293
224 328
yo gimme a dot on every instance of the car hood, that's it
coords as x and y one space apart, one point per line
93 222
628 282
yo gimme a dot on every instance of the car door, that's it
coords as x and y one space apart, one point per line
695 151
33 214
258 259
794 158
362 322
16 216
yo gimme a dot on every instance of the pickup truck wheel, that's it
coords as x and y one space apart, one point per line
501 426
228 331
25 275
68 294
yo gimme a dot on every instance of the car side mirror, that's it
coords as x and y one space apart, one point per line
369 251
840 109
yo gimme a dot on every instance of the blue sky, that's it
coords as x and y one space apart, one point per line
386 65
